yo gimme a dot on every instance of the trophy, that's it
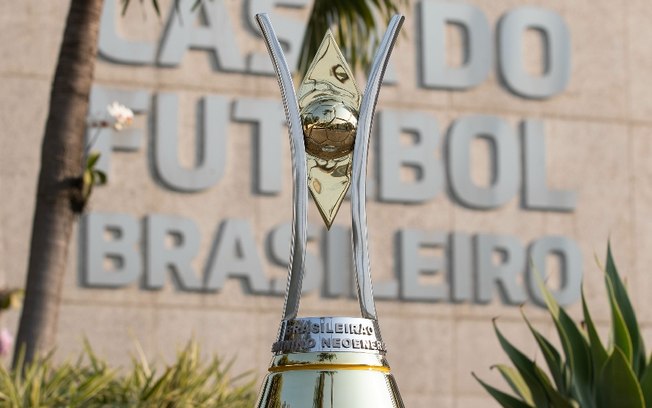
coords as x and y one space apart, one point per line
329 361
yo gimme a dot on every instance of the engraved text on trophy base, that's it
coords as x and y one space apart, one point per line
329 334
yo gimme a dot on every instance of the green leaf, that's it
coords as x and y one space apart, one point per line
598 352
525 367
92 159
628 314
90 382
618 327
617 385
576 348
556 399
518 384
552 357
646 384
515 381
87 183
101 177
530 373
506 400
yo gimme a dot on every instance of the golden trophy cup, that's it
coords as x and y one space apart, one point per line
329 361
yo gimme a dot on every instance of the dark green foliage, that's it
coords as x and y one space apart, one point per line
358 27
190 381
585 374
91 176
11 298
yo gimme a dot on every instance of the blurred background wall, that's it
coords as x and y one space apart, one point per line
189 236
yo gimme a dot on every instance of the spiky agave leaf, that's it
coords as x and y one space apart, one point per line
598 352
599 378
619 330
616 384
541 390
516 382
646 383
624 305
556 366
525 367
575 346
505 400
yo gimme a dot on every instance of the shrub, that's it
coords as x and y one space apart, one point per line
190 381
587 374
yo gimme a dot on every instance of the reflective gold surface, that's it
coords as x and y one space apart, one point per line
329 77
328 182
329 128
329 101
321 380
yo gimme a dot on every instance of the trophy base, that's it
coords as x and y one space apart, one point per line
329 362
327 379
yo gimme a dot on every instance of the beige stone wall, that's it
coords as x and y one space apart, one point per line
599 144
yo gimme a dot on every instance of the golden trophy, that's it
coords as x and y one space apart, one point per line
329 361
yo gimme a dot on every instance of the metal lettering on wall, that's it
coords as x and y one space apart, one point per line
120 250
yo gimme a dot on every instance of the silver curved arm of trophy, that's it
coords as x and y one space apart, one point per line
359 172
299 170
330 127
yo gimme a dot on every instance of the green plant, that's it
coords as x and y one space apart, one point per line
91 176
358 24
11 299
190 381
587 374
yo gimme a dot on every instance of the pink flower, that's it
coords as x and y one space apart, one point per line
6 342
